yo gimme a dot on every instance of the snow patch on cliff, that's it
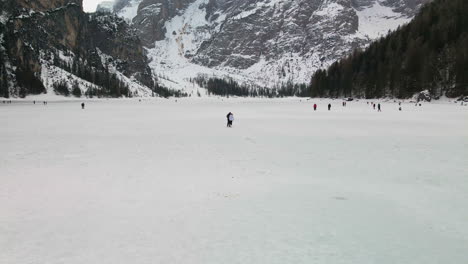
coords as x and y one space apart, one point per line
330 10
170 57
1 42
377 20
4 17
130 11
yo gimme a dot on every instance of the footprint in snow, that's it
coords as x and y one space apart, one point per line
250 140
340 198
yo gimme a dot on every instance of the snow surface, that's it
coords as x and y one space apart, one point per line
160 181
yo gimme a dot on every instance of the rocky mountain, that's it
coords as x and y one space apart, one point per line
54 47
259 41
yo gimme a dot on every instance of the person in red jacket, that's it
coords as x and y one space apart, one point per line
315 107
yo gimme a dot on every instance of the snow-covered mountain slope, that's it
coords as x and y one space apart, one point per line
127 9
106 6
265 42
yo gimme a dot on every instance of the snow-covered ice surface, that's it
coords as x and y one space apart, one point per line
160 181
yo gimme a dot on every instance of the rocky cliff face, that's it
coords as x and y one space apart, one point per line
152 16
264 41
45 5
47 43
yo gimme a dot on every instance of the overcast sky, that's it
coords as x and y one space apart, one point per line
90 5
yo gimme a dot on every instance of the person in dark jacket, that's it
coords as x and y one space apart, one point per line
82 105
329 107
378 107
230 118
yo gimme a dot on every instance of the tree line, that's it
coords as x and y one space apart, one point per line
228 87
4 91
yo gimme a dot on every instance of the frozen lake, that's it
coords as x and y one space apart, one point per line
163 182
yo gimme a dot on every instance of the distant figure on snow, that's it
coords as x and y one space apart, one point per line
329 107
378 106
315 107
373 106
82 105
230 119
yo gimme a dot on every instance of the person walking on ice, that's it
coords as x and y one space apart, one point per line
82 105
315 107
329 107
230 119
378 107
